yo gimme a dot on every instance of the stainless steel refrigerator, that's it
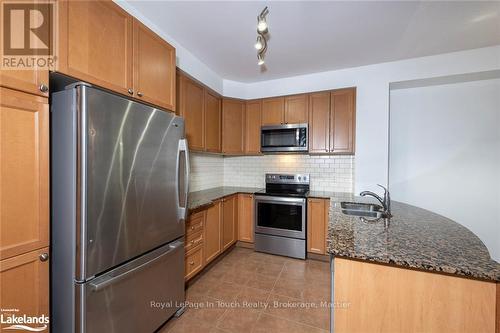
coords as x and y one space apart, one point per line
120 174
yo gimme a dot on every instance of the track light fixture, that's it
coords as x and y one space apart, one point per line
262 31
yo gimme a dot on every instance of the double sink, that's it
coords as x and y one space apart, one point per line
364 210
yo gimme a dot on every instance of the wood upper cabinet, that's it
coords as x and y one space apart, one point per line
273 111
233 123
24 173
212 116
95 43
154 68
296 109
245 218
319 122
24 284
213 232
141 64
342 121
30 81
253 121
229 221
317 225
191 107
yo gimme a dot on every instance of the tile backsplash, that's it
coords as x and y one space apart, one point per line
207 171
328 173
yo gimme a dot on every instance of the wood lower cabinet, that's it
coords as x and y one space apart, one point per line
296 109
233 123
317 225
213 232
154 68
24 173
273 111
382 298
245 218
24 284
193 262
229 221
191 108
342 121
253 121
95 43
212 117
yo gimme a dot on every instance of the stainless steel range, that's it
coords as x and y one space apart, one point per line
280 215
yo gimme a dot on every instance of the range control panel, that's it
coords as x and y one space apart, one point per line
277 178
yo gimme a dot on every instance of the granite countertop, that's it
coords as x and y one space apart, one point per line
203 198
412 238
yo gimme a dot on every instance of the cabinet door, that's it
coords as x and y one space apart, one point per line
191 108
317 223
253 121
319 122
212 122
229 221
233 120
24 284
30 81
273 111
296 109
95 43
342 121
213 242
154 68
245 218
24 172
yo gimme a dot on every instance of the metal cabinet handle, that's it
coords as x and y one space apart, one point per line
130 91
191 263
44 257
43 88
139 94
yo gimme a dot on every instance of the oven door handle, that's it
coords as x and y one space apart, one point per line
280 200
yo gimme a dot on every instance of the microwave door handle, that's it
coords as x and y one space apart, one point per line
182 209
297 137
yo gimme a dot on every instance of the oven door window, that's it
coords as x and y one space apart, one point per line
279 216
280 138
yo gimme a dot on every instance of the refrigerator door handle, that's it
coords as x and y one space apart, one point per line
101 284
182 207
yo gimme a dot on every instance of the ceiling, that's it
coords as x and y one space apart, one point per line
308 37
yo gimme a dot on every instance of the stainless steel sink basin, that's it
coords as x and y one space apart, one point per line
363 210
361 207
360 213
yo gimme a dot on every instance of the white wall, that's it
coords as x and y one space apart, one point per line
372 107
445 153
328 173
185 59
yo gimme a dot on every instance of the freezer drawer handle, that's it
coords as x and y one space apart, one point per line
98 286
182 210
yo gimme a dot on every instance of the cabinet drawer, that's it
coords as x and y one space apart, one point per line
193 240
194 225
193 262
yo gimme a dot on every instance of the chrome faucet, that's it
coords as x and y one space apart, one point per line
386 201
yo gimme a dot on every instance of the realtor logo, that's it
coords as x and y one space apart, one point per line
28 34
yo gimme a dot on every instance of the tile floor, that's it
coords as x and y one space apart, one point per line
254 292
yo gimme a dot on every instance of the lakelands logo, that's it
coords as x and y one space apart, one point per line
23 322
28 34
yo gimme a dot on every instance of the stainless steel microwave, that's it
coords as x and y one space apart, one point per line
284 138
